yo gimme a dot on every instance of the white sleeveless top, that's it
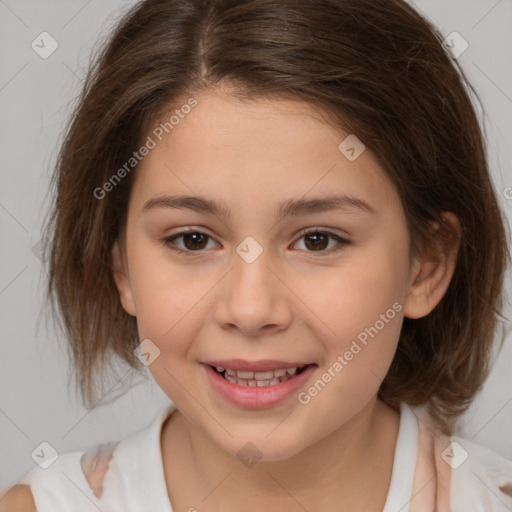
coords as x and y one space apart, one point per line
135 480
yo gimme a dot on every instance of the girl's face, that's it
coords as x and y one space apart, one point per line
264 276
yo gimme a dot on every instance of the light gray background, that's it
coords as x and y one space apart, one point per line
36 401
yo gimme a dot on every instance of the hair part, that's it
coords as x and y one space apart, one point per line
380 71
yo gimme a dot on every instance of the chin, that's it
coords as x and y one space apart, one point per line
251 449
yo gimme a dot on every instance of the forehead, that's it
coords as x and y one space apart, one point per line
254 152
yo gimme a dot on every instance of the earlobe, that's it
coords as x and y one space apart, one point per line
122 280
433 268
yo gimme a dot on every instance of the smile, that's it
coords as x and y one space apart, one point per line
259 379
257 385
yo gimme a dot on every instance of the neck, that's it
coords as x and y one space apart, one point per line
336 471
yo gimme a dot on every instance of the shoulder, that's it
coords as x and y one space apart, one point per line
18 498
54 488
461 474
104 474
481 478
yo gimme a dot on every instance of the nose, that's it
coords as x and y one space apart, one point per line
254 298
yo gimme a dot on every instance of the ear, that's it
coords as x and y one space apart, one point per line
433 268
122 279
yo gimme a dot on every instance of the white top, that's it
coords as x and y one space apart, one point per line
135 480
404 462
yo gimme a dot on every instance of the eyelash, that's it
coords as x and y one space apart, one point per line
341 245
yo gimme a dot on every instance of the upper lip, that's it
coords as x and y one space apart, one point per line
255 366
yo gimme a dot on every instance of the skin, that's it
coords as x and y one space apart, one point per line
291 303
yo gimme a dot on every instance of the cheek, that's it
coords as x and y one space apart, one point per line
170 299
171 305
360 307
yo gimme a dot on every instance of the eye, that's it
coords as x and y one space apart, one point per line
317 240
196 241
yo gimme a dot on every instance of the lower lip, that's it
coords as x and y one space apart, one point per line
255 397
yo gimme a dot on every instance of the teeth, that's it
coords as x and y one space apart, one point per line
245 375
258 379
264 375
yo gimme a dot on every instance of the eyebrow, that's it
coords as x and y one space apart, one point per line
290 207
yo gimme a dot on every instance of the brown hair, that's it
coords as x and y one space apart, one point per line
380 69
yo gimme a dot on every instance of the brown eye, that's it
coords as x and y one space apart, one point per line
193 241
196 241
318 241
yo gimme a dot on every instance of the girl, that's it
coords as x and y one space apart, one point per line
283 209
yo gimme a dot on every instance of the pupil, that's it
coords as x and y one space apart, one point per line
317 236
193 236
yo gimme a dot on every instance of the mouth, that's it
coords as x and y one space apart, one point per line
258 384
259 378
